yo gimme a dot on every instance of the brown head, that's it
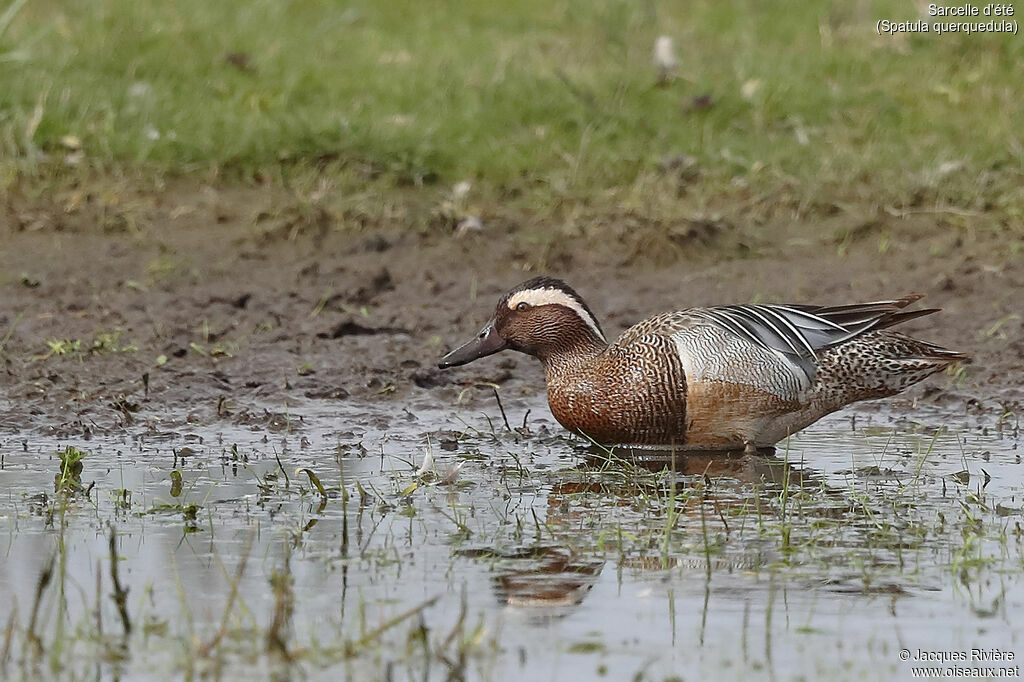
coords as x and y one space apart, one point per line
542 317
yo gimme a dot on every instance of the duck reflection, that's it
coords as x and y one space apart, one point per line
724 479
545 578
554 579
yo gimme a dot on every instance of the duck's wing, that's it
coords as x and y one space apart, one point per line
798 332
771 347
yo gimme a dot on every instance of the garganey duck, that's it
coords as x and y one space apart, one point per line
722 378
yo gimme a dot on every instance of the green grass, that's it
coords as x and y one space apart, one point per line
549 100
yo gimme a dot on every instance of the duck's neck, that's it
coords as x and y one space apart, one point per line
571 355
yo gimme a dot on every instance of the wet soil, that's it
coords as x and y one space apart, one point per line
214 300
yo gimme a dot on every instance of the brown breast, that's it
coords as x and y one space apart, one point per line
628 394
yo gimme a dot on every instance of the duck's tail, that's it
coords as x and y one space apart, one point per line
880 364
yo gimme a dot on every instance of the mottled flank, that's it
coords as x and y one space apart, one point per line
707 378
874 365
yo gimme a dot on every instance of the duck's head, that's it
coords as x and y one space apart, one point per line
540 317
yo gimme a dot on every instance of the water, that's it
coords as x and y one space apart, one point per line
515 555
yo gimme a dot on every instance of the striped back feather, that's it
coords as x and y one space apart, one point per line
799 332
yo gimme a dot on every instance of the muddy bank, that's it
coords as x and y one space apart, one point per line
209 303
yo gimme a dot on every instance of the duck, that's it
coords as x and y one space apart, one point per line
731 377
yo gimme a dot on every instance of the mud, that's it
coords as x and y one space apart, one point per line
220 304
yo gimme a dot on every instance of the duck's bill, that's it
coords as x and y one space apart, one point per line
487 342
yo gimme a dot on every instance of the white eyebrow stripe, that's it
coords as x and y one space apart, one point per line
536 297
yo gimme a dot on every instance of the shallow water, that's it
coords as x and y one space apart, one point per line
515 555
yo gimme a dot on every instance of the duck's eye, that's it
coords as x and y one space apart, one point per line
523 305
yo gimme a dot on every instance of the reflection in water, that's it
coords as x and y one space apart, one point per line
553 579
541 577
757 562
715 478
753 467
